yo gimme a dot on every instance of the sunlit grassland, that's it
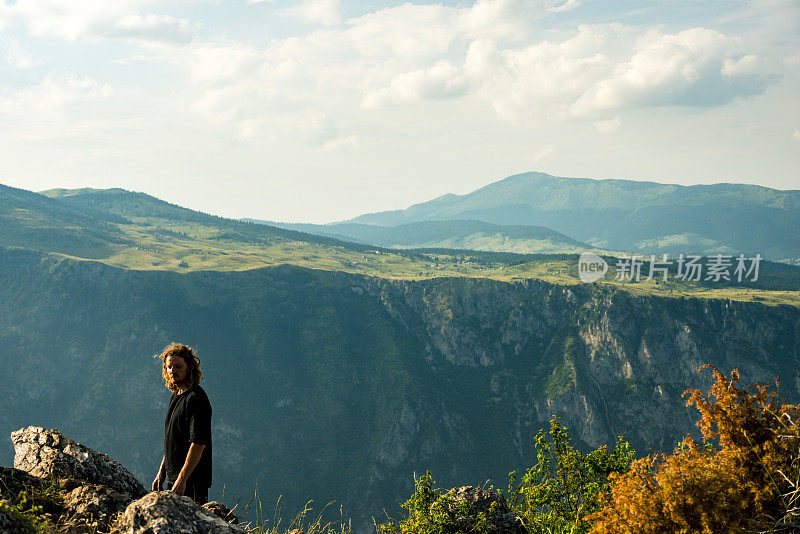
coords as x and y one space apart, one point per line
162 244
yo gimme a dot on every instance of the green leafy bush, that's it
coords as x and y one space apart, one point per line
432 512
563 487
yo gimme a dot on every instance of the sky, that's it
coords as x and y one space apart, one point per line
321 110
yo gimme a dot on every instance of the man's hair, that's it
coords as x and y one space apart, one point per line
195 372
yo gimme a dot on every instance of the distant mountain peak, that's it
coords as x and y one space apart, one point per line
638 216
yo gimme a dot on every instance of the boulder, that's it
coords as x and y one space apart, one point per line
164 512
499 517
221 511
89 506
43 453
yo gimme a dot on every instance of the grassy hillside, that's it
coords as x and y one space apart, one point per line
462 234
642 217
34 221
137 231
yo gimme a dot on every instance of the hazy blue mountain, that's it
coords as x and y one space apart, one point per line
460 234
645 217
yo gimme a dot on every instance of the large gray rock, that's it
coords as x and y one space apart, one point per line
500 519
164 512
43 453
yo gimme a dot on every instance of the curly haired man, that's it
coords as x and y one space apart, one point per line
186 465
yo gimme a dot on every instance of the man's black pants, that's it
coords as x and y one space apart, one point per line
197 494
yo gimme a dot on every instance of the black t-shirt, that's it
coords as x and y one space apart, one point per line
188 421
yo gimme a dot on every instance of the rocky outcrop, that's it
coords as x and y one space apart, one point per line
90 505
43 453
87 491
164 512
482 504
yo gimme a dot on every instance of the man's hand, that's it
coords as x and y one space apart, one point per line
179 488
158 482
192 457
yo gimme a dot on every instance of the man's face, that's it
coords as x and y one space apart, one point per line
177 369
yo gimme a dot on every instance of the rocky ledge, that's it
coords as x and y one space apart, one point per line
69 488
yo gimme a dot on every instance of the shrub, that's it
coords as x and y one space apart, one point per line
563 487
432 512
743 477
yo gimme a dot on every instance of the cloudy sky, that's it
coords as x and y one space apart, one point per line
320 110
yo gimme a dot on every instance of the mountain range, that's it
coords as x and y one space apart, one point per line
338 370
622 215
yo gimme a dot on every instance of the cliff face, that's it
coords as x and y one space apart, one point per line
604 361
333 386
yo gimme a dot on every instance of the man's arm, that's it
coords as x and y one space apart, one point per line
159 480
192 458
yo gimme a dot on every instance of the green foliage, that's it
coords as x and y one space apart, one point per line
431 512
554 496
36 504
563 487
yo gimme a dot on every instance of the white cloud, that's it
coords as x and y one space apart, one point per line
18 56
543 153
797 134
566 5
609 126
97 20
414 53
153 27
54 92
695 67
501 19
248 129
441 81
349 142
325 12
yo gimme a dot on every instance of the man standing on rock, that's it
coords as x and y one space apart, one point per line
186 466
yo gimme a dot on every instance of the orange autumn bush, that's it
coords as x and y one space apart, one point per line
742 478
